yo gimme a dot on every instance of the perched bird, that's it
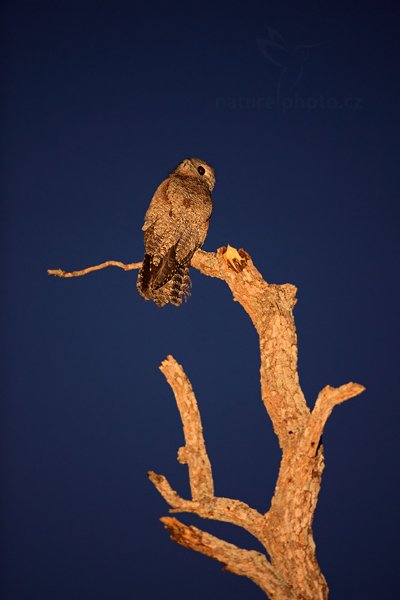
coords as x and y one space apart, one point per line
175 226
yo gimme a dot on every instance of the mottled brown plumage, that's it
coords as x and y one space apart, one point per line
175 225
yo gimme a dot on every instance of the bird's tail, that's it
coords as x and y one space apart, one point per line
173 291
181 284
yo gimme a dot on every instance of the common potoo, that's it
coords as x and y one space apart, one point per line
175 226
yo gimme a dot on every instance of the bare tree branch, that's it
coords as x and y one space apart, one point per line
248 563
194 453
285 530
270 308
218 509
327 399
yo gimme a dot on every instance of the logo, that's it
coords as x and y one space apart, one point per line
290 60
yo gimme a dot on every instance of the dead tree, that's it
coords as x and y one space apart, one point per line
289 569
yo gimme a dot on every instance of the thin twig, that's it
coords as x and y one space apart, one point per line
104 265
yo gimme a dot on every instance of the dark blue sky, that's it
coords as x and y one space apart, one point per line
100 101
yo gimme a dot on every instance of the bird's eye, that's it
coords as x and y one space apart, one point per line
201 170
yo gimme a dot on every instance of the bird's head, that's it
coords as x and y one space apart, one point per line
194 167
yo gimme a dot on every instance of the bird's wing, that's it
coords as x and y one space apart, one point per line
161 232
187 244
158 202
